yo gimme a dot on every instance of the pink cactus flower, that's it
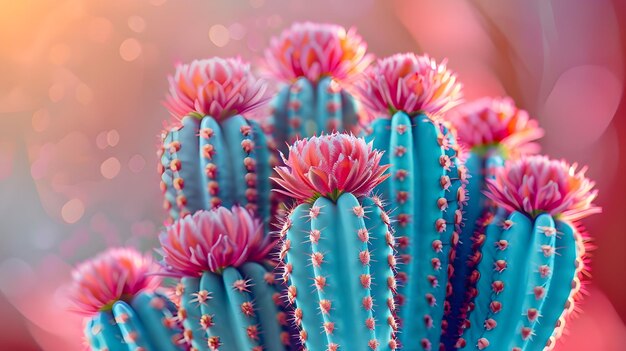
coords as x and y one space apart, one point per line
328 166
537 184
114 275
409 83
314 50
213 240
496 122
215 87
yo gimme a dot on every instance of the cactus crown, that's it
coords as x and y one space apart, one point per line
315 50
410 83
216 87
213 240
490 122
537 184
114 275
328 166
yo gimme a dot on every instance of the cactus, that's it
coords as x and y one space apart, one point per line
116 291
492 130
214 156
532 256
228 299
426 191
313 98
337 245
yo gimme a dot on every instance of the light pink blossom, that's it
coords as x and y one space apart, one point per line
410 83
315 50
215 87
213 240
328 166
537 184
114 275
496 122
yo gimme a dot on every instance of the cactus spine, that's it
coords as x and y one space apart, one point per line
146 323
206 164
345 248
426 192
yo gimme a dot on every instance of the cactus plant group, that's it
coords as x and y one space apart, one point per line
434 228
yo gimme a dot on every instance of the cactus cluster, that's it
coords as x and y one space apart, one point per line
407 220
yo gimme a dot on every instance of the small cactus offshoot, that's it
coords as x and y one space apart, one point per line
228 300
532 256
339 240
116 292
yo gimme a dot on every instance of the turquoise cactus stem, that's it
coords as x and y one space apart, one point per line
243 318
343 249
480 166
329 107
307 108
142 323
206 164
90 332
566 266
403 184
158 320
190 313
167 178
274 333
260 176
215 313
300 109
336 260
542 265
426 195
296 254
527 270
233 310
107 332
131 329
382 257
214 163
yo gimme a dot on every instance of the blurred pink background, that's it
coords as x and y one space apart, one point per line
80 111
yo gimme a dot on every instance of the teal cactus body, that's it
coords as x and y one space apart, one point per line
307 108
206 164
238 309
524 285
481 166
344 250
426 194
148 322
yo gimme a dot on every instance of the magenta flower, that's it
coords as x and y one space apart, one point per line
315 50
328 166
409 83
114 275
537 184
213 240
496 121
215 87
